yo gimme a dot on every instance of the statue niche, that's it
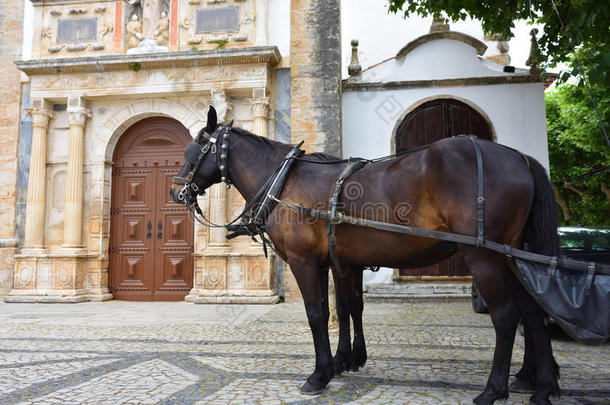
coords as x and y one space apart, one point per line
147 29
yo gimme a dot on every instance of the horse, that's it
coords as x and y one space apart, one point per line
434 187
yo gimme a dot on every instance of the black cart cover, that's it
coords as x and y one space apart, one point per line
578 301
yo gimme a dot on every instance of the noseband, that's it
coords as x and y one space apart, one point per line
189 191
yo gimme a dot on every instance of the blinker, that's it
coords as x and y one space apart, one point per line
191 153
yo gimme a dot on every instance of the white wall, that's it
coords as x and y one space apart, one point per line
516 111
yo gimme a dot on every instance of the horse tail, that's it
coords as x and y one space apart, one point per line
541 228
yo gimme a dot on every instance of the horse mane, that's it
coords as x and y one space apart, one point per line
274 144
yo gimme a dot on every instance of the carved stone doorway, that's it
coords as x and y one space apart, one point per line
151 237
428 123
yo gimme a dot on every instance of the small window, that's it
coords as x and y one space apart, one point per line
218 20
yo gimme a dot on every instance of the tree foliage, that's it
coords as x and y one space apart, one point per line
576 147
587 23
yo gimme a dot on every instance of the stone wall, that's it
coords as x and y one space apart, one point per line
315 63
11 32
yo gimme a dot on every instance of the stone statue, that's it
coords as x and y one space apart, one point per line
162 31
151 13
134 32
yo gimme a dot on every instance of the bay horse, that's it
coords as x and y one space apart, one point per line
434 188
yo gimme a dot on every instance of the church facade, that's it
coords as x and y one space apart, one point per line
116 90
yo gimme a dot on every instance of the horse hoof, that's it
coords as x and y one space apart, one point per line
521 386
310 389
339 366
540 400
489 396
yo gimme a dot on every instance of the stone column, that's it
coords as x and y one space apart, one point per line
73 211
315 65
41 113
260 111
218 192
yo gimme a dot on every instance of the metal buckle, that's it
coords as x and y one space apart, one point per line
336 219
194 187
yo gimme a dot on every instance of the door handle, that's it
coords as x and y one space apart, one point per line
149 228
160 226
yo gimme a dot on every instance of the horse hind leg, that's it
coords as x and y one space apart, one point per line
546 371
525 379
490 272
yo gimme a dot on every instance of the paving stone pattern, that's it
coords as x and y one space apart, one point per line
179 353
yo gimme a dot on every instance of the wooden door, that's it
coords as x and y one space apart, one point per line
430 122
151 237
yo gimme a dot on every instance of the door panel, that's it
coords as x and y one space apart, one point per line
133 208
431 122
174 243
151 237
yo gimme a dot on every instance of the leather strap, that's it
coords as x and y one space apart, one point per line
352 167
480 196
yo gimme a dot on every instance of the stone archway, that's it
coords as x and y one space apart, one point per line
151 237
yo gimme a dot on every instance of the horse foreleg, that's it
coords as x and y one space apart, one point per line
313 283
343 295
358 355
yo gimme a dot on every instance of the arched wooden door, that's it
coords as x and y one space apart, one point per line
428 123
151 237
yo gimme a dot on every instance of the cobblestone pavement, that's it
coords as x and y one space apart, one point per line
178 353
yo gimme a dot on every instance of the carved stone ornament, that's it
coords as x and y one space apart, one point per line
260 107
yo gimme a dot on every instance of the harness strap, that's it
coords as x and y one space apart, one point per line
352 167
275 187
590 268
480 197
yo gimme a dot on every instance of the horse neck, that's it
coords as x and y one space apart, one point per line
251 161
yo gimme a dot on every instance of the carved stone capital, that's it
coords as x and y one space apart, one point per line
260 107
79 115
40 116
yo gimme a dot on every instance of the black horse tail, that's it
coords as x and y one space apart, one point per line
541 229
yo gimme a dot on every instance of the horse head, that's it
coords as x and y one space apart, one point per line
205 162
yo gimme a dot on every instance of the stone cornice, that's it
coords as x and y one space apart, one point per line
260 54
467 81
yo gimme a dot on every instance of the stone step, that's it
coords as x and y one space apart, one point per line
406 292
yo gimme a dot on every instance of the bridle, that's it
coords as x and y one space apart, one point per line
190 190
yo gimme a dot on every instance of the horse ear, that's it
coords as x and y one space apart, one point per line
212 121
